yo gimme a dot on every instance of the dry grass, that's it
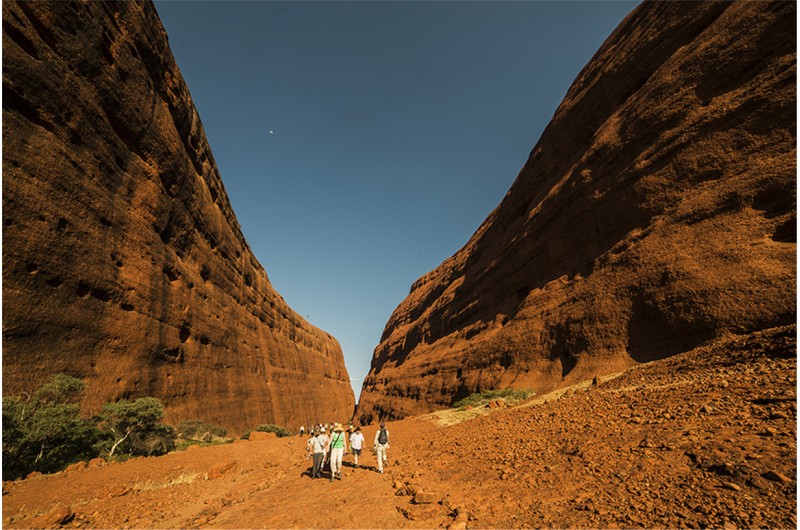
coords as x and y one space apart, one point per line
447 417
185 478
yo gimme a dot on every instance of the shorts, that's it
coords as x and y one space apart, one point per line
356 452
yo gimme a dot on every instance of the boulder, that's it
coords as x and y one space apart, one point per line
221 469
96 462
77 466
57 516
775 476
258 436
423 497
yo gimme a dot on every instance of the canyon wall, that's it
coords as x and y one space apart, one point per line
123 262
656 212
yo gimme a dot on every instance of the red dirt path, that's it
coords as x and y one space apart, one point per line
704 439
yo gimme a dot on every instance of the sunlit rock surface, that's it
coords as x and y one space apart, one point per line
123 262
656 212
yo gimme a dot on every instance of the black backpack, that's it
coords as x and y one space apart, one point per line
383 437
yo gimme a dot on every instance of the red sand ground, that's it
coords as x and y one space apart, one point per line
704 439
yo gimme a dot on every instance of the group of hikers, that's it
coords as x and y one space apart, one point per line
327 444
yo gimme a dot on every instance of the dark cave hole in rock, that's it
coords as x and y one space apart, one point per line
101 295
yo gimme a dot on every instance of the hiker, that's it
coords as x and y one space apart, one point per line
316 446
356 444
381 445
302 430
324 437
323 432
338 446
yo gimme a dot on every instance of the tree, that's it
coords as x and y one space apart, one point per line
61 388
136 428
158 440
43 431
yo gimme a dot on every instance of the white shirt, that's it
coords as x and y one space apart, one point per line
316 444
356 440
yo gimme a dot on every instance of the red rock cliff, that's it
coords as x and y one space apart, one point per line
656 212
123 262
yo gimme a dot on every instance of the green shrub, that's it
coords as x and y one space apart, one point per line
44 432
481 399
159 439
277 429
135 428
184 444
199 430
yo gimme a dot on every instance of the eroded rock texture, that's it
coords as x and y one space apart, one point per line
656 212
123 262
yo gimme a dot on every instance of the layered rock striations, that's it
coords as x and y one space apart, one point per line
123 262
656 212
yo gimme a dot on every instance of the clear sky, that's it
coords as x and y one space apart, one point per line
363 143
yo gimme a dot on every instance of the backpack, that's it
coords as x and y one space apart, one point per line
383 437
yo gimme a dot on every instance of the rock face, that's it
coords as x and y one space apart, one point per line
123 262
657 212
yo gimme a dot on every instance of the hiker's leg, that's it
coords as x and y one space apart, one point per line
339 455
381 454
318 457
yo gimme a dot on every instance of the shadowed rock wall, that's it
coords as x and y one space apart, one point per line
123 262
656 212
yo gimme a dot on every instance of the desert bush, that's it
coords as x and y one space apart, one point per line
198 430
183 444
482 398
159 439
44 431
281 432
135 428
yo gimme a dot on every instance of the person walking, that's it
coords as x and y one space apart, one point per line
316 446
324 438
338 446
356 444
381 445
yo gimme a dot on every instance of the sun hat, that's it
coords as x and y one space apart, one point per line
337 427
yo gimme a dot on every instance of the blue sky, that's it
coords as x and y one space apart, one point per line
363 143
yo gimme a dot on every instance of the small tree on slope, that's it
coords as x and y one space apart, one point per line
135 427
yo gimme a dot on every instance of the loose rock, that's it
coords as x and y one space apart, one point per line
777 477
422 497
